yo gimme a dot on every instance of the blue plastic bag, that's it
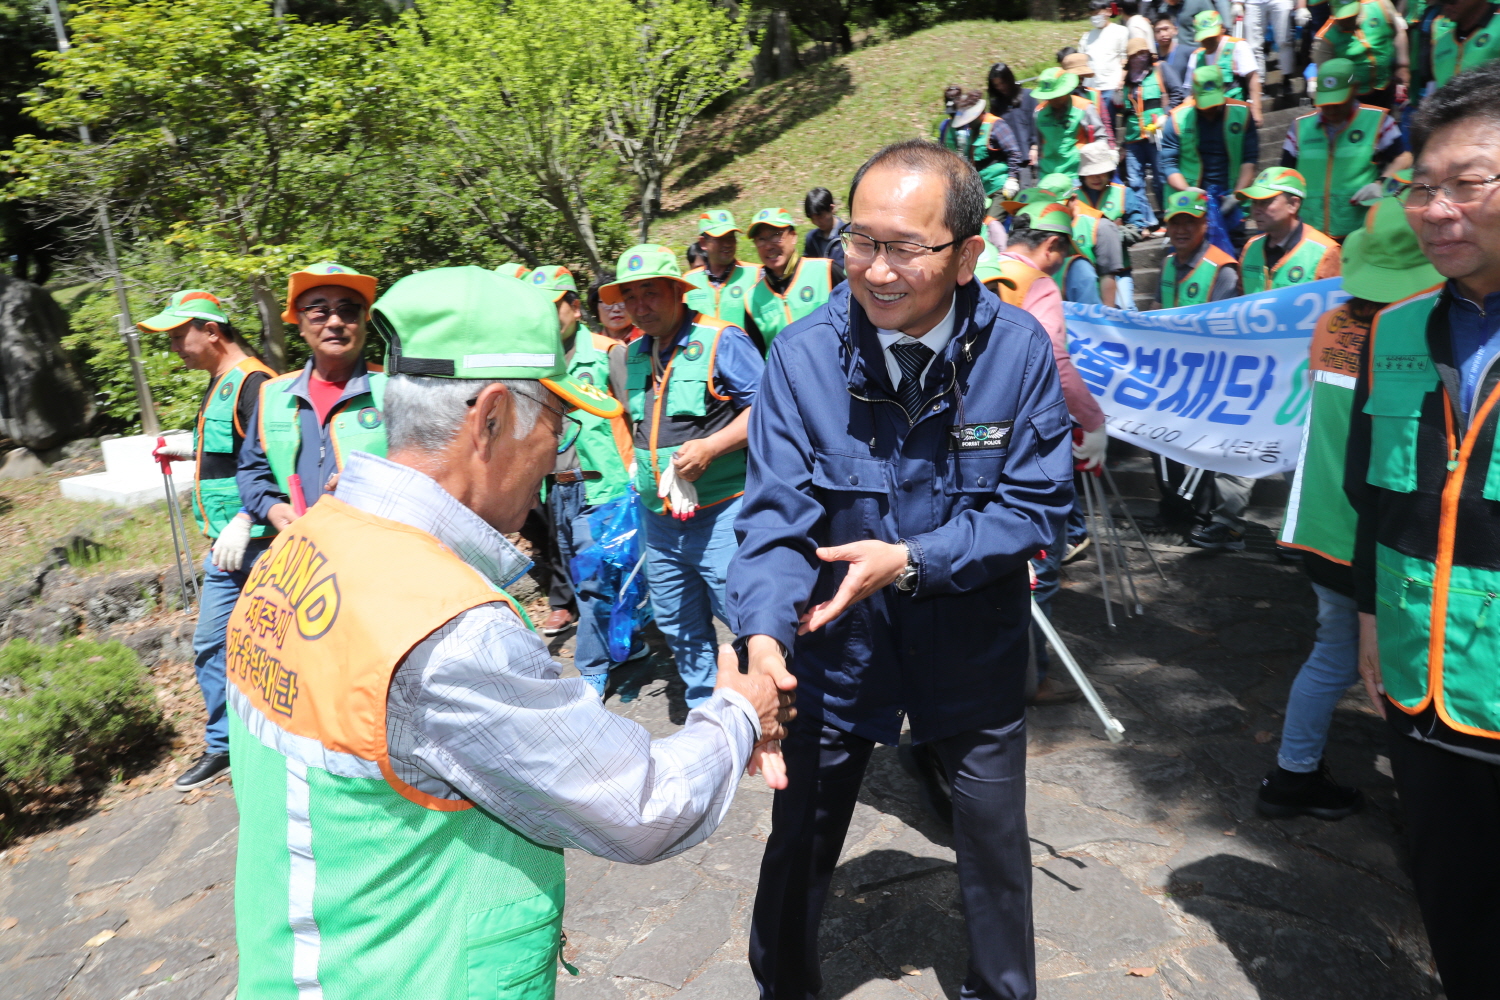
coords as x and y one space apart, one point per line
611 569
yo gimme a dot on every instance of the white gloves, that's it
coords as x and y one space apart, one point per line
1369 194
1301 15
1012 185
174 452
229 548
1228 204
1090 450
679 492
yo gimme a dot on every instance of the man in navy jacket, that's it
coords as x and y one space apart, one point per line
908 453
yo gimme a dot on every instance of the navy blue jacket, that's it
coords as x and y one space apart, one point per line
834 459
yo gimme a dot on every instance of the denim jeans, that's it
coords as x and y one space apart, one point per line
1139 158
686 562
220 591
1331 667
569 506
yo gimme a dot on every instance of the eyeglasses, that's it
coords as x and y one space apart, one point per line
572 426
1460 190
771 235
348 312
899 253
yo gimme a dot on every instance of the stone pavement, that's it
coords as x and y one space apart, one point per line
1148 856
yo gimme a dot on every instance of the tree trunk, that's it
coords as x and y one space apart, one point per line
650 202
1044 10
777 58
272 330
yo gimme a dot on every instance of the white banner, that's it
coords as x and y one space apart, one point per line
1221 386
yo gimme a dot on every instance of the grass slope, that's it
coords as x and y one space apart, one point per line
815 128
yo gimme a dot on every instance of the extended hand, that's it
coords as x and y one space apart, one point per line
281 516
771 703
1369 663
693 458
1090 451
229 547
872 565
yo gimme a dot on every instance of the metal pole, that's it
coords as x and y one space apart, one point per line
179 531
1138 533
1122 554
1112 727
128 333
1098 531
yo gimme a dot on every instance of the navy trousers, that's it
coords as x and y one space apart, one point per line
810 817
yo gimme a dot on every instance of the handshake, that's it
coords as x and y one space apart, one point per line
770 689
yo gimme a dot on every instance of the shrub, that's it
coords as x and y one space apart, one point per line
70 707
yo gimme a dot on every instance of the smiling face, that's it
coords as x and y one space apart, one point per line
1185 232
775 245
899 203
720 250
1462 241
331 319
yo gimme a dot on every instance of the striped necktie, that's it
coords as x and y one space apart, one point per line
912 359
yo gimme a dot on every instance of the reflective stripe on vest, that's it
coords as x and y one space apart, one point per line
1195 288
603 444
350 882
807 291
727 301
1451 56
1058 140
1297 266
1185 120
357 424
1334 176
216 501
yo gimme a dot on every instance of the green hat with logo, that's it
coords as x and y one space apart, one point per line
1382 260
1044 193
1193 201
639 263
184 307
1208 86
1061 185
1346 8
717 222
1054 82
468 322
1048 217
1207 24
987 269
554 279
1273 181
513 270
1335 82
778 217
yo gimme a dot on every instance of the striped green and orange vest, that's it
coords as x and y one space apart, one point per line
217 500
1297 266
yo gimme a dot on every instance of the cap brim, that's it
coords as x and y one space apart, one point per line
774 225
582 396
301 281
719 230
1256 193
1056 91
1337 96
1209 100
162 322
611 294
1188 211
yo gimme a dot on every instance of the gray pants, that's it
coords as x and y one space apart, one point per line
1234 497
1279 13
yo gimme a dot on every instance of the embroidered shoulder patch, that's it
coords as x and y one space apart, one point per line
967 437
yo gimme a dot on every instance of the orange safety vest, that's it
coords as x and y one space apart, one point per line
1023 275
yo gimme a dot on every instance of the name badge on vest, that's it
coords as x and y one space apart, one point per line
967 437
1404 363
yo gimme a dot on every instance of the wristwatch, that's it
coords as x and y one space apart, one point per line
907 581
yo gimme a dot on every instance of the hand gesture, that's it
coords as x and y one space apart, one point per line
872 565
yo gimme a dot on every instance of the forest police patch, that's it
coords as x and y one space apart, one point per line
736 292
967 437
369 418
1296 274
635 263
806 295
1236 127
226 390
1192 291
693 351
1356 135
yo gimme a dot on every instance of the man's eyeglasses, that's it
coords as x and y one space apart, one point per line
571 425
1460 190
348 312
901 253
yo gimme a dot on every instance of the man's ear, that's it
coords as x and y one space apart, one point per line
968 258
488 418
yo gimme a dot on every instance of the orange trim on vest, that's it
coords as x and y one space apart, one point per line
1023 274
319 629
619 427
1219 257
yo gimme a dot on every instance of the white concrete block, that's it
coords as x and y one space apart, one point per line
131 478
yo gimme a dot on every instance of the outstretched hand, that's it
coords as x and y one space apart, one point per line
872 565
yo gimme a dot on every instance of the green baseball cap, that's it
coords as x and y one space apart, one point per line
1061 185
778 217
1273 181
1208 86
987 269
1382 260
1193 201
1349 8
648 260
1207 24
554 279
513 270
1049 217
717 222
468 322
1335 82
184 307
1042 194
1054 82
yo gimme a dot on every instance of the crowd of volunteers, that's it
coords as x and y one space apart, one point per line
855 445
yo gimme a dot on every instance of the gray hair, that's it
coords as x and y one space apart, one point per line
424 414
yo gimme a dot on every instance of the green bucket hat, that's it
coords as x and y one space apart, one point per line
1053 82
1049 217
1193 201
1207 24
467 322
987 269
554 279
648 260
184 307
1335 82
1273 181
1208 86
778 217
717 222
513 270
1382 260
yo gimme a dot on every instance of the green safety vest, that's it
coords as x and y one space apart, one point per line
1438 621
972 142
1235 121
1334 176
726 301
217 501
601 439
809 290
1224 59
1057 139
357 424
1371 47
1451 56
1137 116
1296 266
1194 289
1111 206
688 409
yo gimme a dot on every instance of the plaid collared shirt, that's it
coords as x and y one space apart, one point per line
477 711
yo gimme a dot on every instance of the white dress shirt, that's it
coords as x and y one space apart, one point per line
934 340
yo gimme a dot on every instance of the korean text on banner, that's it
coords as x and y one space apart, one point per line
1221 386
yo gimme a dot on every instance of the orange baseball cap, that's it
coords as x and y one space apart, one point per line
317 275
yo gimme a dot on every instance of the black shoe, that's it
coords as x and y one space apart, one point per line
208 767
924 765
1218 536
1286 793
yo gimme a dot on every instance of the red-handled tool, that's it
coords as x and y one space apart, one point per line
299 502
185 581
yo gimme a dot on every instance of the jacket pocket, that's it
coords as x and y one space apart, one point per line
1395 411
975 472
686 397
1403 615
850 473
512 950
1053 457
